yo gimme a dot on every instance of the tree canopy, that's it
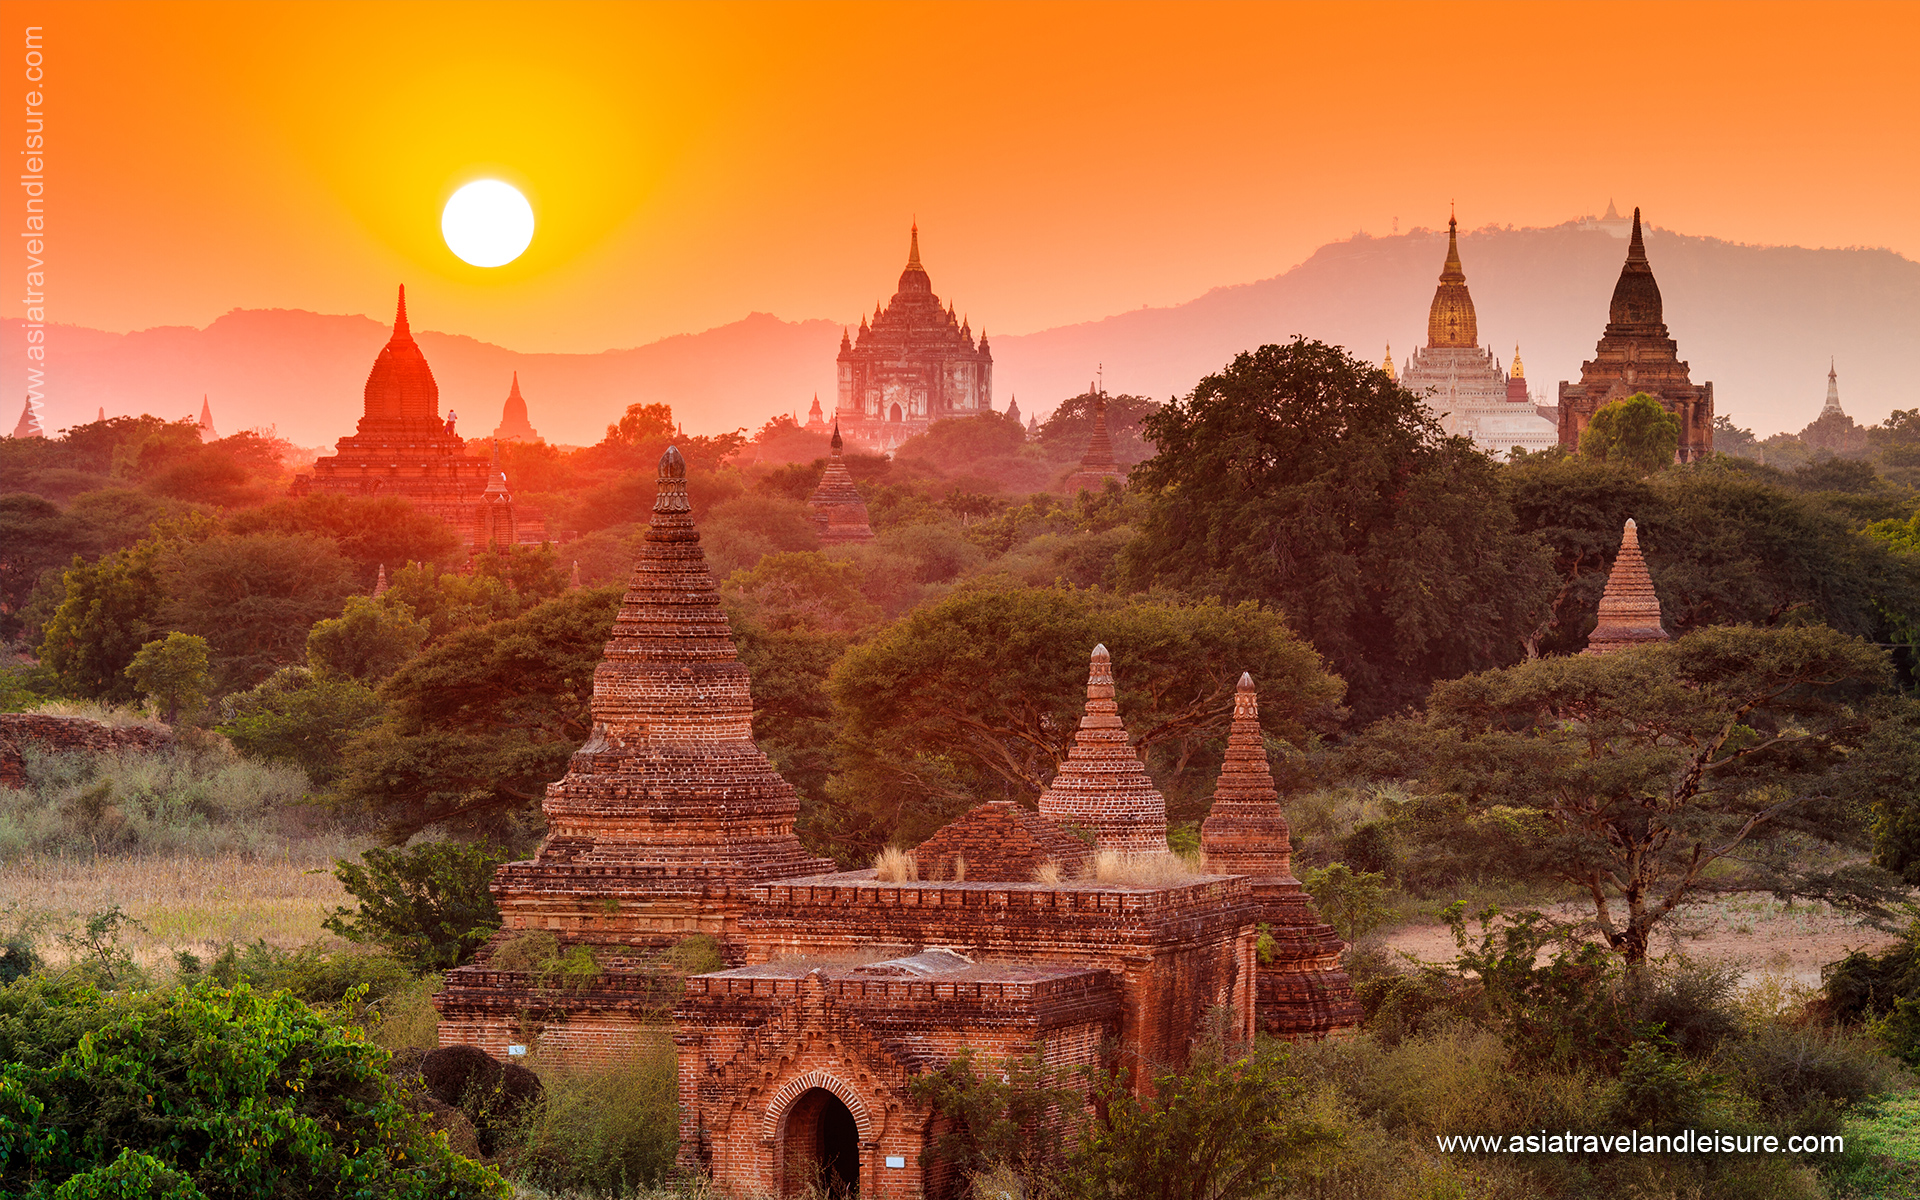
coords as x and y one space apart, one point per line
1304 478
979 696
1636 432
1649 777
480 723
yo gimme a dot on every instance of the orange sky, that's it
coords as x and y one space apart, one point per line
691 163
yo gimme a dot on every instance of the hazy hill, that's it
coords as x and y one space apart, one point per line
1760 322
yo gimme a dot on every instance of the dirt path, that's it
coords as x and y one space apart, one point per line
1765 937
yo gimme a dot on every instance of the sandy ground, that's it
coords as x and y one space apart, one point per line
1762 935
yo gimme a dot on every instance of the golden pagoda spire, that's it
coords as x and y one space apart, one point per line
913 245
1519 372
1387 365
1451 321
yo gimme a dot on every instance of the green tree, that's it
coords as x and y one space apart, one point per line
368 530
301 716
369 640
428 905
499 587
35 538
1648 778
1635 432
961 443
253 598
172 672
1306 479
1014 1117
480 723
205 1093
110 610
1232 1123
979 696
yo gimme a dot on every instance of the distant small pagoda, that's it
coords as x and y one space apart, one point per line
29 426
514 425
1629 608
1097 464
836 503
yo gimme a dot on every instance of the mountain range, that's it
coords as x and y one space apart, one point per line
1761 322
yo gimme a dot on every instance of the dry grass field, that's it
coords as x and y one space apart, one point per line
181 903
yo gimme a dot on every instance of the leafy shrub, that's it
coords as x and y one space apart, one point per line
604 1132
301 716
1011 1119
205 1092
1789 1069
315 973
428 904
1354 903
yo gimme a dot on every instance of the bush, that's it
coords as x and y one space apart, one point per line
428 905
205 1092
302 717
600 1132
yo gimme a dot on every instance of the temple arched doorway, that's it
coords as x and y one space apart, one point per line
821 1146
895 417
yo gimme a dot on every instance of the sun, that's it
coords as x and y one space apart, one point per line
487 223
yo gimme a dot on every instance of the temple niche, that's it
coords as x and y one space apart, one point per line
1008 936
1461 381
915 364
1635 354
403 447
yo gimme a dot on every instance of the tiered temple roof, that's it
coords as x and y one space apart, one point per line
916 363
402 447
670 777
1102 787
836 503
1636 354
1629 608
1245 832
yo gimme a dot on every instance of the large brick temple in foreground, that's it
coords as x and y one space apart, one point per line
839 988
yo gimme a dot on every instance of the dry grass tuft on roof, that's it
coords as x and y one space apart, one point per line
894 865
1145 870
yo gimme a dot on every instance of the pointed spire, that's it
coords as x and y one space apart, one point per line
1451 272
207 432
1102 785
400 329
836 504
1833 390
103 413
1518 371
1386 364
1099 455
1636 301
1450 319
29 426
913 246
1245 832
380 582
1629 607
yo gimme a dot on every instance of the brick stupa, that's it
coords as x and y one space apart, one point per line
1303 992
514 425
1097 464
1629 608
836 503
664 817
1102 787
402 446
29 424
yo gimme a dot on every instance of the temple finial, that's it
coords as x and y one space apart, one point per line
835 443
400 329
913 244
1636 249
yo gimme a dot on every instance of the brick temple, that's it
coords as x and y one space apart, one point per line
796 1060
404 447
1636 354
836 505
915 364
